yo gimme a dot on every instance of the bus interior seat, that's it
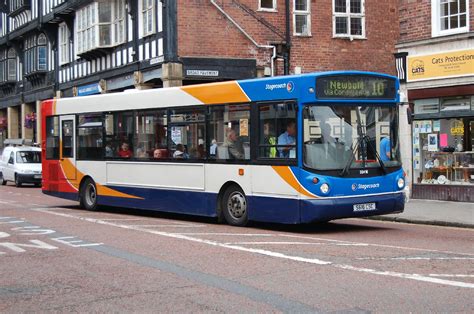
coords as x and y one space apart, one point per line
222 152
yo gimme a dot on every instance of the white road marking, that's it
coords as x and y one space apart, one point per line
168 226
375 245
274 254
121 219
451 275
413 258
294 243
228 234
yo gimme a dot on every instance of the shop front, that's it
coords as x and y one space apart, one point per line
443 148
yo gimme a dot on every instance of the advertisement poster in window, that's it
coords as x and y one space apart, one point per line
432 142
244 127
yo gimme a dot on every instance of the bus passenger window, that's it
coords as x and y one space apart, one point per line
151 134
89 139
188 133
229 132
119 131
277 130
52 138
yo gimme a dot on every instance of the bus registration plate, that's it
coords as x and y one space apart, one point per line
364 207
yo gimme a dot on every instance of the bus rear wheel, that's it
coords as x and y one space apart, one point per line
88 195
234 206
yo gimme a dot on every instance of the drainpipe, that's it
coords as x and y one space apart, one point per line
274 55
288 38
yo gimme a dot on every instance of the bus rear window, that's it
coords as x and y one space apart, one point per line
52 138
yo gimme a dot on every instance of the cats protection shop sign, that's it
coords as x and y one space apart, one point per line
441 65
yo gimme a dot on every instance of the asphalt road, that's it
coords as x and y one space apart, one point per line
55 257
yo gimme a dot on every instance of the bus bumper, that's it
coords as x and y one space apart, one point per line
336 208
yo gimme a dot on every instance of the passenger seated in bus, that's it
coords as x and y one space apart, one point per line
180 153
160 153
213 148
288 139
109 152
234 145
141 152
385 149
124 151
269 139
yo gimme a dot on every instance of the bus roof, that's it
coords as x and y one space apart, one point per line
262 89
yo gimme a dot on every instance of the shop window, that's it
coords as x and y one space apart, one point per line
119 135
302 18
89 137
52 138
349 18
267 5
151 135
458 103
449 17
424 106
277 130
187 134
441 152
229 132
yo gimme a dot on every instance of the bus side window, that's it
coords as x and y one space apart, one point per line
119 135
52 137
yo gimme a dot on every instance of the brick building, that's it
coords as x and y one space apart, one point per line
58 48
435 60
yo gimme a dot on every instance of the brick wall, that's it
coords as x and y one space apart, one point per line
204 31
415 19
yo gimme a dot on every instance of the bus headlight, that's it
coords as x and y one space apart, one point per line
401 183
324 188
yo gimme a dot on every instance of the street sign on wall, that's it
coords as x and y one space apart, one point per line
441 65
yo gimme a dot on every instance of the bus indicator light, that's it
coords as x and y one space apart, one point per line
241 172
315 180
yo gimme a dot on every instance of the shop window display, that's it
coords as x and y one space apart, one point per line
443 152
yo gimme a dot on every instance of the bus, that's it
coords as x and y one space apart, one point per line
291 149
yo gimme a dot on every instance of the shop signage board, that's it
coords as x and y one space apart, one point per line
440 65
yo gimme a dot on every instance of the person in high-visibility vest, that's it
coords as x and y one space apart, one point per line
268 139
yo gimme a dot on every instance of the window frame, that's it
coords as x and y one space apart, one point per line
306 14
272 9
349 15
63 44
9 66
436 21
145 9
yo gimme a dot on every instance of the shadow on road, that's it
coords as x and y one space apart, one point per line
337 226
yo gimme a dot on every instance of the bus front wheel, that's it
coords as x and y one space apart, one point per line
234 206
88 195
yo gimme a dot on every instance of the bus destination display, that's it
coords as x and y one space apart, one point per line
355 87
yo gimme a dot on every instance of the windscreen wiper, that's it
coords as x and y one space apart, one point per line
348 165
366 139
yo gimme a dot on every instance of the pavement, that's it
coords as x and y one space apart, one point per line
441 213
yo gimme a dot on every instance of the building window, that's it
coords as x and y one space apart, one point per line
449 17
349 18
41 52
148 17
101 24
11 65
63 43
36 54
302 18
267 5
119 22
3 57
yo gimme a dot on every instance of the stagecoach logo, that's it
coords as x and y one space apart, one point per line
290 86
364 187
417 67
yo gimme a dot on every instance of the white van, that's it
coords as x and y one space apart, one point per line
21 164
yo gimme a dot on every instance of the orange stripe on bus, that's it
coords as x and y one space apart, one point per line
217 93
286 174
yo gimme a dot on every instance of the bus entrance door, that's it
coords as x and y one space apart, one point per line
68 147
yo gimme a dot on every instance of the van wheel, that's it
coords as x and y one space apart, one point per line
234 206
3 181
88 195
17 181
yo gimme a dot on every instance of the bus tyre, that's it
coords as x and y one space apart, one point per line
234 206
17 181
88 195
3 181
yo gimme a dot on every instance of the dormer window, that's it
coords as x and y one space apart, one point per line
18 6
